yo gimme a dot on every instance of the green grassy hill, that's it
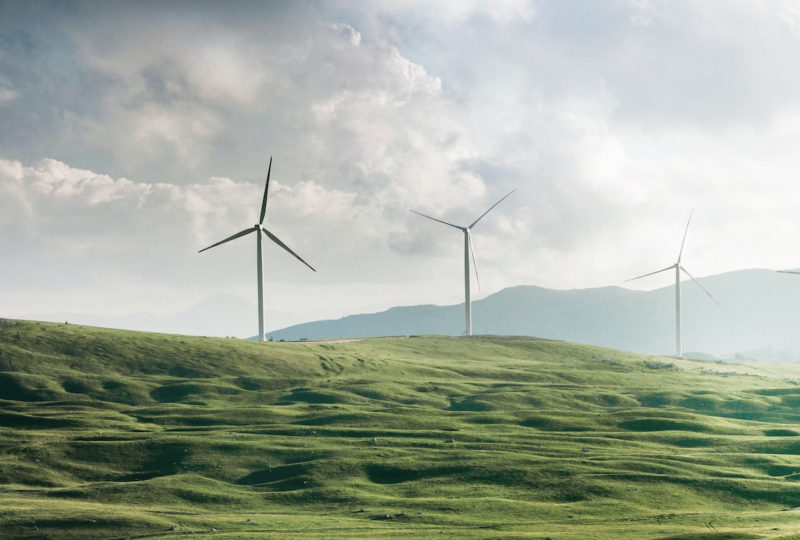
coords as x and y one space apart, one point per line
114 434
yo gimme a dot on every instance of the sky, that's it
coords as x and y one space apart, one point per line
133 134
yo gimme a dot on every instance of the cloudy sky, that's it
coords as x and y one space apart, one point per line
133 134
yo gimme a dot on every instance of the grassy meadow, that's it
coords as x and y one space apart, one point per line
115 434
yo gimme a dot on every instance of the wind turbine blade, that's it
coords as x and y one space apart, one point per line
439 220
680 253
490 208
474 262
651 273
698 284
235 236
284 246
266 190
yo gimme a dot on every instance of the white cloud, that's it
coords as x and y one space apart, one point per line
352 35
176 54
454 12
612 119
336 109
7 95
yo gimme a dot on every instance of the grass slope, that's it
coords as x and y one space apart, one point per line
114 434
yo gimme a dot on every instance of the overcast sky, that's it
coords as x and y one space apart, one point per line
133 134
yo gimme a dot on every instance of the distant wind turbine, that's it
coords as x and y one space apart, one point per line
467 250
677 267
258 227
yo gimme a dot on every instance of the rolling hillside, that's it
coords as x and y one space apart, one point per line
757 315
115 434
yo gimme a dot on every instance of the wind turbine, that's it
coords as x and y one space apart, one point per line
259 228
678 268
467 250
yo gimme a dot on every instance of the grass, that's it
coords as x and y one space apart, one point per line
114 434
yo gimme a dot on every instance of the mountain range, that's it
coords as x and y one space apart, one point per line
757 317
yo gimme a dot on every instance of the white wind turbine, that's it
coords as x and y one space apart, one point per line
678 268
467 250
259 228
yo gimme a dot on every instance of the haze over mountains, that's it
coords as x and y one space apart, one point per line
220 315
758 316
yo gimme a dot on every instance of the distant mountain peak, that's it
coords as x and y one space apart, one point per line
757 311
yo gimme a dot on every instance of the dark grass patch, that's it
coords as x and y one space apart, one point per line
334 419
691 442
388 474
778 446
28 387
662 424
486 420
134 459
546 423
713 536
52 528
309 396
472 404
780 433
25 421
181 392
263 383
276 474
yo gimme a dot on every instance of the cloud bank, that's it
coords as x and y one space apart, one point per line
134 134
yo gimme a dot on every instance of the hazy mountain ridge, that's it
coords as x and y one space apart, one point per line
757 312
757 318
220 315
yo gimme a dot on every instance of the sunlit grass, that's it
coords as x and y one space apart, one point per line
114 434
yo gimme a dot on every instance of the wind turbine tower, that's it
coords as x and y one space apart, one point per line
259 229
678 269
467 230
